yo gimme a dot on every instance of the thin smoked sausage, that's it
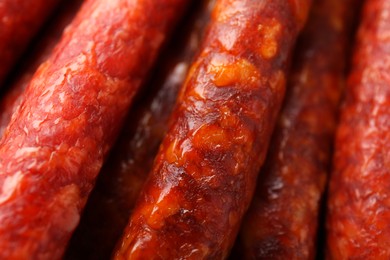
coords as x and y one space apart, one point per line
205 172
281 222
358 220
123 174
72 110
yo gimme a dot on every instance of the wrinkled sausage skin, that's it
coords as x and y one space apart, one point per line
358 220
130 161
204 174
281 222
20 21
56 142
39 53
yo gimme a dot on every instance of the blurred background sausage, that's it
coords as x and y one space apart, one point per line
358 220
20 21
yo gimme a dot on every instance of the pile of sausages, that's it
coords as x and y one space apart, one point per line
180 129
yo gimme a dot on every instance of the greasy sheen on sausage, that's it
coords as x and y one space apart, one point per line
131 159
39 53
55 144
20 21
282 220
205 172
358 220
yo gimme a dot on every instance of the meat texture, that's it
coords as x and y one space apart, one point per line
205 172
55 144
358 220
20 21
122 176
282 220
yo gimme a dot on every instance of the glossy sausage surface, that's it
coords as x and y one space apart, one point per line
358 223
204 174
282 220
56 142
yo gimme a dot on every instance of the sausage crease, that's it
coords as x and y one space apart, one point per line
358 220
123 174
20 21
281 222
56 142
204 174
40 52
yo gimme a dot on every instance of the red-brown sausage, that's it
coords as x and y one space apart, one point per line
204 174
20 21
57 139
40 52
123 174
358 221
282 220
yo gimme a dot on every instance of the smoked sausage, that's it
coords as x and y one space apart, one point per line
358 220
205 172
125 171
282 220
71 112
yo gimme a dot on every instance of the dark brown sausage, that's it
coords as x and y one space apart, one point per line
122 176
204 174
56 142
358 221
20 21
282 220
39 53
